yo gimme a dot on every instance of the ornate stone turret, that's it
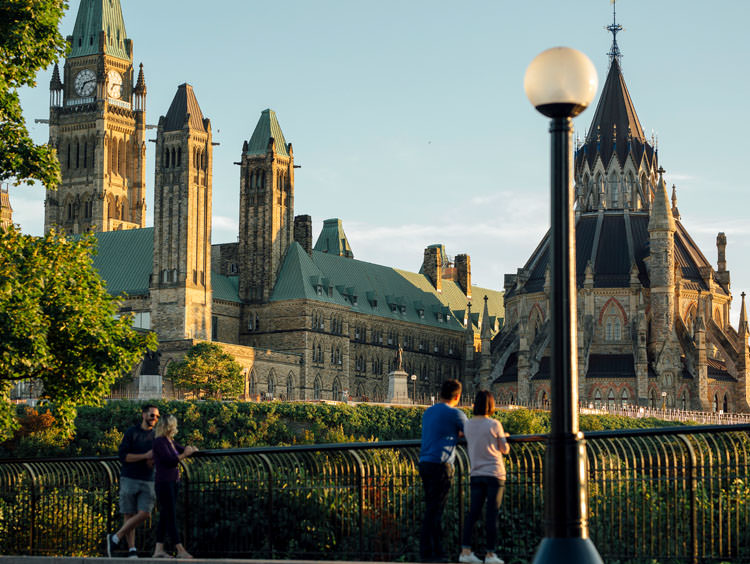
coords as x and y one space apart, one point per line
485 360
661 229
266 208
722 274
55 89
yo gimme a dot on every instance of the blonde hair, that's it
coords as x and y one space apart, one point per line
166 427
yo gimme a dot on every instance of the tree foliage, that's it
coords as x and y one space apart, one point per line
29 41
59 325
208 371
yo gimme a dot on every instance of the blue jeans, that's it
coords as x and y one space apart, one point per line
484 488
436 481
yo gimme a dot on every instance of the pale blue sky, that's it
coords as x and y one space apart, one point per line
409 120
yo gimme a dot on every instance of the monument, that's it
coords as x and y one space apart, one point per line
397 386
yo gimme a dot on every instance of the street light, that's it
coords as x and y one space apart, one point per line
560 83
663 401
414 395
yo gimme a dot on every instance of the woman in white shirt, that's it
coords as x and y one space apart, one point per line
486 441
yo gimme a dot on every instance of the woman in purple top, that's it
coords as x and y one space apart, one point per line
486 442
167 455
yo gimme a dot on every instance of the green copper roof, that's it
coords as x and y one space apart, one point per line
93 17
225 287
376 290
126 258
267 127
332 239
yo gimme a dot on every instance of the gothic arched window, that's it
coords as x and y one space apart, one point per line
597 399
316 388
611 399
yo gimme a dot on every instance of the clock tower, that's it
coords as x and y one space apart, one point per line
98 124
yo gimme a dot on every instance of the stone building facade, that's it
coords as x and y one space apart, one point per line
306 321
653 313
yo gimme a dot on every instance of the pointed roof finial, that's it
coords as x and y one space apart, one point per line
743 316
614 28
486 330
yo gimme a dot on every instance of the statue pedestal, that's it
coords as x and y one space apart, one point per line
397 390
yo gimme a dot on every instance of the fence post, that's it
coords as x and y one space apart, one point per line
269 517
361 488
693 486
32 498
185 499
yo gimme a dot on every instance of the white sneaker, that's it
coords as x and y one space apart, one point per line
493 559
470 558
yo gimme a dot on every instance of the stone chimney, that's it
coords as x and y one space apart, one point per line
432 266
463 273
303 232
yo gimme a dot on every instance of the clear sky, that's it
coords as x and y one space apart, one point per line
410 123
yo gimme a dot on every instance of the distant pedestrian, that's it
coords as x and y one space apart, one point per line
136 480
442 425
167 455
487 443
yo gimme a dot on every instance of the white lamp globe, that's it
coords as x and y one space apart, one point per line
560 82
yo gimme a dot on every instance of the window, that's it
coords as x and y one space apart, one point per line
316 388
214 328
289 388
613 328
624 398
597 399
611 399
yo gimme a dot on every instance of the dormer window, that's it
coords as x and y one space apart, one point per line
319 289
403 310
330 291
421 313
354 300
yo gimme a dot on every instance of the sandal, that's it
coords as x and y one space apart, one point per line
162 555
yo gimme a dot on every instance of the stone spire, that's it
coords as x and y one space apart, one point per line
139 92
55 89
675 211
661 214
486 330
743 329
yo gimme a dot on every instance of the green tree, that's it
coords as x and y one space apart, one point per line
58 324
207 370
29 41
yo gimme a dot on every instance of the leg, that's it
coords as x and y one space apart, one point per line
436 481
162 500
127 531
495 490
478 495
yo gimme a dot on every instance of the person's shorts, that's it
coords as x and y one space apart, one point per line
136 495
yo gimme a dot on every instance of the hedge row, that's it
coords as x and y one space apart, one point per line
213 424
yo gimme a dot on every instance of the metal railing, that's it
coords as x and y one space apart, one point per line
675 494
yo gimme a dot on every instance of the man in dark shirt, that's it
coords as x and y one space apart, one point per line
136 479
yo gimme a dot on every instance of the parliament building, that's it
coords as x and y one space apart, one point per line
304 317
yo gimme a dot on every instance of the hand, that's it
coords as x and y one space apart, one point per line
190 450
148 455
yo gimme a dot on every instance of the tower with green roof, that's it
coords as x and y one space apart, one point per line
266 208
180 284
98 124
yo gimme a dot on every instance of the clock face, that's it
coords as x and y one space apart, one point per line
114 84
85 82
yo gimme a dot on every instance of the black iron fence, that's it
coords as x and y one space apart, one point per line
671 495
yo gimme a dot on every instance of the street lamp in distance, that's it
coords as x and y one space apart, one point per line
560 83
414 393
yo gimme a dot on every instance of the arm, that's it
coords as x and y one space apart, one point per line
130 457
502 442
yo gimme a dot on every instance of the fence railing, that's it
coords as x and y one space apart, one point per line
676 494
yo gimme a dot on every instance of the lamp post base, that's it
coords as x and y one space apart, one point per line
567 551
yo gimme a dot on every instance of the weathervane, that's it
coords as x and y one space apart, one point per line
614 51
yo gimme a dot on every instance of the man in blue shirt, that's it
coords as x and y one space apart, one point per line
442 425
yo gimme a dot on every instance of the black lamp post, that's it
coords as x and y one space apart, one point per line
560 83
